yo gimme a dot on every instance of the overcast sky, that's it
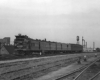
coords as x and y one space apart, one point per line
55 20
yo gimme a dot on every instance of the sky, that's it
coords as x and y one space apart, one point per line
55 20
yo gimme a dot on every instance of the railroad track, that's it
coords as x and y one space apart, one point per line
96 76
39 73
73 75
14 57
25 73
30 71
90 71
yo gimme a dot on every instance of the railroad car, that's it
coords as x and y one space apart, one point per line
75 48
53 46
34 45
25 45
59 46
44 47
64 47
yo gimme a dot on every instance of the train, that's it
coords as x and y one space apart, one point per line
25 45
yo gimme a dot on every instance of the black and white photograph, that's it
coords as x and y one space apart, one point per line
49 39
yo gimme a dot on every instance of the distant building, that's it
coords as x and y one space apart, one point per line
1 41
7 49
4 41
88 50
7 40
98 49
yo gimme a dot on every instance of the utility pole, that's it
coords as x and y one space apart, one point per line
82 40
93 45
86 44
77 38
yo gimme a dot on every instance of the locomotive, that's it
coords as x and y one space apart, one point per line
25 45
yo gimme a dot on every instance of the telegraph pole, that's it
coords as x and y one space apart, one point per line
77 38
82 40
93 45
86 44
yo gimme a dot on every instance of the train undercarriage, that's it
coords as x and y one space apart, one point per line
42 52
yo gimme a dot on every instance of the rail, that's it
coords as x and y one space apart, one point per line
76 78
75 71
95 76
80 70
